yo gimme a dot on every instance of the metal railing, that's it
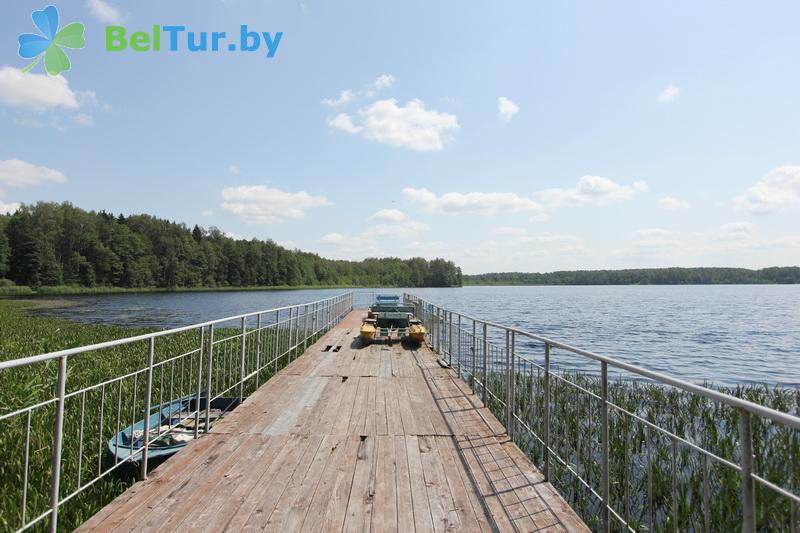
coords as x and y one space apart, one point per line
87 408
645 452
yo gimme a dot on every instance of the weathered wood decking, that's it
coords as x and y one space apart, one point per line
361 439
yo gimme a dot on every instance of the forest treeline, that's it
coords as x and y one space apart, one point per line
642 276
50 244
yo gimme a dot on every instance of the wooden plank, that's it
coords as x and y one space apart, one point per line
467 506
358 418
333 520
359 505
439 498
290 511
342 424
423 520
225 498
381 416
405 506
384 517
331 490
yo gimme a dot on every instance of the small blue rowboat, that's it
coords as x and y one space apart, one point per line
174 424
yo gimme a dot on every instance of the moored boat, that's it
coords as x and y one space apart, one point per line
173 426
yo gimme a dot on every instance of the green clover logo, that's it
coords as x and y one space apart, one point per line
50 43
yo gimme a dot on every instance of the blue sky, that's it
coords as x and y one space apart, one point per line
511 136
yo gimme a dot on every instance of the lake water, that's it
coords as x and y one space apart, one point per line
726 334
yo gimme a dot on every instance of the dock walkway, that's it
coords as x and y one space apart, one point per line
349 438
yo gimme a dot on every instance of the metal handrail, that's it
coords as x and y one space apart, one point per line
443 325
212 368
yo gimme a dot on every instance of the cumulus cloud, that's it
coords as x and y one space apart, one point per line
345 97
343 122
777 191
410 126
17 173
590 190
506 109
389 215
483 203
669 94
35 92
257 204
7 208
654 238
672 204
82 119
234 169
384 81
105 12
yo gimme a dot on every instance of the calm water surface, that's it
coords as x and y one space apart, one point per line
726 334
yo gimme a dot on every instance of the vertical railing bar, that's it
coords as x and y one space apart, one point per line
460 338
674 468
259 336
706 497
160 393
651 504
100 430
199 389
119 417
277 340
546 431
474 357
146 422
80 439
508 383
243 354
26 459
746 464
208 378
485 365
58 434
604 484
513 388
450 338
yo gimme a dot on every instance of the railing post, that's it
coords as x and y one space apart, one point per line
209 376
305 328
473 349
604 488
746 464
508 383
450 338
511 387
199 384
148 392
546 430
242 357
258 350
485 367
458 325
58 434
277 338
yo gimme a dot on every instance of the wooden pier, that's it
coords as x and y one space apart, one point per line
349 438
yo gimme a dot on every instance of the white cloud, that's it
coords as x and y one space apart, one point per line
669 94
7 208
654 238
410 126
36 92
672 204
104 12
590 190
506 109
510 231
17 173
82 119
343 122
384 81
345 97
734 231
207 212
777 191
389 215
484 203
234 169
257 204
